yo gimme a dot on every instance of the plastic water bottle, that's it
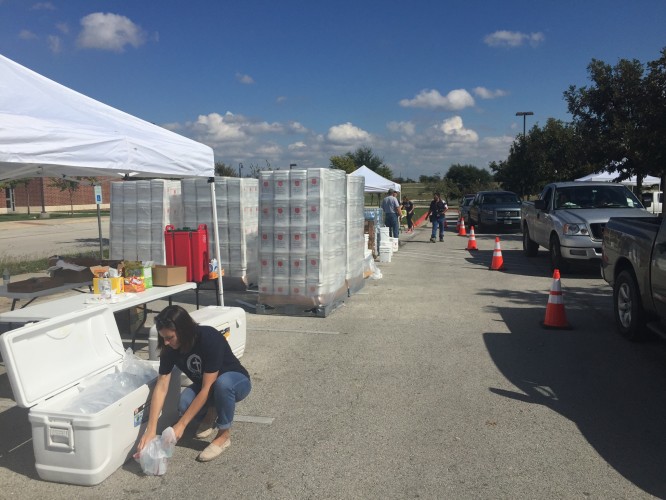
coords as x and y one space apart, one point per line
5 277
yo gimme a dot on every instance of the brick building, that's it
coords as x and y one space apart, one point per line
27 198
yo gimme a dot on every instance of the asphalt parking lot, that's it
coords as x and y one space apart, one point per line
436 381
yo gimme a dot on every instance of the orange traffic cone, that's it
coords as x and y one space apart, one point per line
471 242
556 318
497 262
461 228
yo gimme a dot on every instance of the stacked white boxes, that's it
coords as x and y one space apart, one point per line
52 365
237 203
302 237
140 210
356 242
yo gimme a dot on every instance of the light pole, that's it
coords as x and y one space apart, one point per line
524 114
240 170
292 165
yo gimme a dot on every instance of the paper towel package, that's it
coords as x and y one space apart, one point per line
65 369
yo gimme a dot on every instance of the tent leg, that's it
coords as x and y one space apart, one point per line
216 232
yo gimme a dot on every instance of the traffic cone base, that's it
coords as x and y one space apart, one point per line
497 264
471 242
556 318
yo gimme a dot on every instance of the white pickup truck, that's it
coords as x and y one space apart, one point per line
568 219
653 201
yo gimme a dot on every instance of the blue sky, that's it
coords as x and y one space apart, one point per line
425 84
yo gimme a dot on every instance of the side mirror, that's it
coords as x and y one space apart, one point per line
540 205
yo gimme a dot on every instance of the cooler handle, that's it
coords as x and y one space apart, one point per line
60 436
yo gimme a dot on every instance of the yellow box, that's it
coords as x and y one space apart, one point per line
117 285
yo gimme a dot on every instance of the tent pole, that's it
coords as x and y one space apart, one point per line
216 232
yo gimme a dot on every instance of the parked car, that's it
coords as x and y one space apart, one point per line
633 262
568 219
496 209
465 202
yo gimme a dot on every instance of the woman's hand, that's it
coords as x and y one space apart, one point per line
178 429
147 437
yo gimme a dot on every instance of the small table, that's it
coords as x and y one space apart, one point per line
30 296
80 301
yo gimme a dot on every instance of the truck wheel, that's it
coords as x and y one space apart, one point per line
628 310
530 248
556 259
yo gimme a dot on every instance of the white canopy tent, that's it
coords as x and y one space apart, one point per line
610 177
375 183
49 130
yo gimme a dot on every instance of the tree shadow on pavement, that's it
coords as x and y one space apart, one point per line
611 389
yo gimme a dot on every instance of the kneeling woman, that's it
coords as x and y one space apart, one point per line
219 379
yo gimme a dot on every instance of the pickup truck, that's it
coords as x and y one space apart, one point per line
568 219
634 264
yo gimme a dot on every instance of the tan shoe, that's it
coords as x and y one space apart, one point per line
204 430
213 451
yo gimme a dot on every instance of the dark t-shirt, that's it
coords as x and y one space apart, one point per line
210 353
408 206
437 209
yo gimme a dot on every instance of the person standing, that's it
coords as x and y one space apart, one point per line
436 214
391 208
408 207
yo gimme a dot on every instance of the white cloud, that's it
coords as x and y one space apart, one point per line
346 134
432 99
63 28
43 6
109 32
454 131
281 99
55 44
512 39
297 146
485 93
27 35
406 128
244 79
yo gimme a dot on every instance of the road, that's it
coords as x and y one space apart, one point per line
436 381
39 238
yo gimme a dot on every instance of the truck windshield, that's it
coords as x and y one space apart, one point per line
500 199
612 196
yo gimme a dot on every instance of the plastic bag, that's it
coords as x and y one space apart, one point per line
153 457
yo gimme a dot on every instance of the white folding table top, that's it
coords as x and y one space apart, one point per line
80 301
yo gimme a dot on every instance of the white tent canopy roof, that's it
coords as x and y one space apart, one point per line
610 177
375 183
47 129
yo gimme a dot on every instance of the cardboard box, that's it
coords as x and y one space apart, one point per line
71 276
169 275
117 285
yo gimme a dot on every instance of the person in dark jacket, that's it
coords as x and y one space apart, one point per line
436 214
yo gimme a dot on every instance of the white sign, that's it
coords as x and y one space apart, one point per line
98 195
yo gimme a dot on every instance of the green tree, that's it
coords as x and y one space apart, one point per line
345 162
224 170
611 118
362 156
71 186
655 115
468 178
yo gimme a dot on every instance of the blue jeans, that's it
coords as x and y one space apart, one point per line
391 221
227 390
438 222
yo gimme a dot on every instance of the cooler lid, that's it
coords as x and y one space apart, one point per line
45 358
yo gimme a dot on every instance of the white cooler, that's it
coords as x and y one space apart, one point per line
51 362
229 321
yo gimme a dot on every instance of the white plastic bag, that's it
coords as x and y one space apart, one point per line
153 457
